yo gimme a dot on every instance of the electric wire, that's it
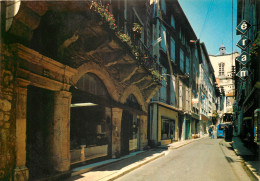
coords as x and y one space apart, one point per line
206 18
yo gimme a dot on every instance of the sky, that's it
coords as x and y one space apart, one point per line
211 20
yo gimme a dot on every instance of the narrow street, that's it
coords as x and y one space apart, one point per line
205 159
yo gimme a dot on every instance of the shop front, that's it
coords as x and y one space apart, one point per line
130 127
195 125
166 118
203 124
91 115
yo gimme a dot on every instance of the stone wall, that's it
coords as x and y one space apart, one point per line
7 116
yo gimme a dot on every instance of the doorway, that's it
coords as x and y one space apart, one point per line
39 131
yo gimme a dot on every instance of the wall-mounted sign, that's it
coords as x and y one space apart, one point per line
243 73
243 27
243 58
202 97
243 42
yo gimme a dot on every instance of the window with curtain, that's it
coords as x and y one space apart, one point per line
181 60
172 21
180 95
163 89
187 65
172 89
172 49
163 6
163 35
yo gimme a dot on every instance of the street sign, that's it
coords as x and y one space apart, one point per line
243 27
243 42
243 58
243 73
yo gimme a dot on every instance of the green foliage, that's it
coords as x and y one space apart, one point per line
137 28
255 46
124 37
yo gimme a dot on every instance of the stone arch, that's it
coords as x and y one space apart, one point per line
96 69
132 89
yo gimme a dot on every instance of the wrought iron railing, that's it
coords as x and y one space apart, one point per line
131 38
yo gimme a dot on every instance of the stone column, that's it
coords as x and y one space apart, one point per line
143 132
61 135
116 131
21 171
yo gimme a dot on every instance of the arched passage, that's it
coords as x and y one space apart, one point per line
90 131
103 75
130 126
134 90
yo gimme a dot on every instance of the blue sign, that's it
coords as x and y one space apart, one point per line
243 58
243 42
243 27
202 97
243 73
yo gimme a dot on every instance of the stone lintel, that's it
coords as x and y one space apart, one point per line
34 57
41 81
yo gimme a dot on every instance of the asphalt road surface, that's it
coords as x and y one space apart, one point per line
206 159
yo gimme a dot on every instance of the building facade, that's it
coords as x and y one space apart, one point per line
224 65
175 112
247 103
207 91
76 80
170 108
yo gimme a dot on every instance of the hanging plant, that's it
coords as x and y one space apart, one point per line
124 37
254 49
137 28
103 11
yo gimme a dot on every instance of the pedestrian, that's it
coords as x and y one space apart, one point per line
210 131
212 134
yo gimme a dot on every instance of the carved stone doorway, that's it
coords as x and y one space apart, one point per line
39 134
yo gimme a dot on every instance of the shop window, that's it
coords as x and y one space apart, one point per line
90 124
167 129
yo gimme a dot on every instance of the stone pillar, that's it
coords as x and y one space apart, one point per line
61 135
143 132
21 171
116 131
183 128
82 152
